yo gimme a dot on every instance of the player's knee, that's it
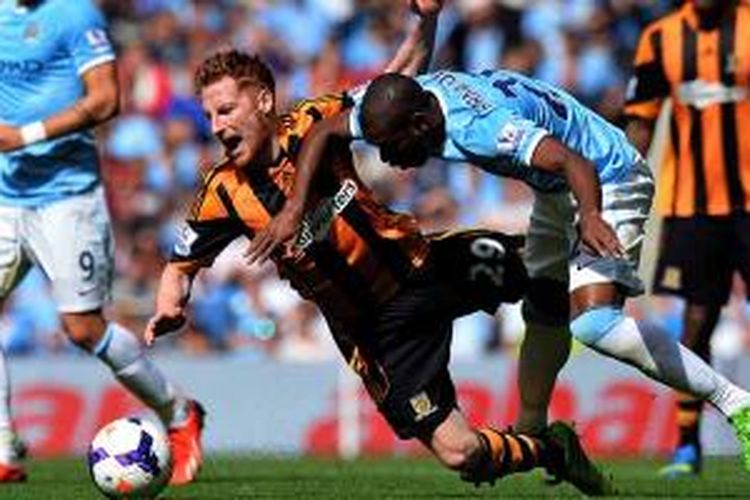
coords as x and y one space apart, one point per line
547 302
457 459
84 329
593 324
457 452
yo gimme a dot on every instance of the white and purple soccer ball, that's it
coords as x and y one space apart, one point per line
130 458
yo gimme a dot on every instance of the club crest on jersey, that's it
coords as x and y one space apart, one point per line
672 278
31 33
422 405
316 224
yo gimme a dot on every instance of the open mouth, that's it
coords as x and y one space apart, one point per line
231 144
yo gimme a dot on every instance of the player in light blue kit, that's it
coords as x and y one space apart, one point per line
58 81
582 248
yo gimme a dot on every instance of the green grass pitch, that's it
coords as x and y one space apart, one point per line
237 477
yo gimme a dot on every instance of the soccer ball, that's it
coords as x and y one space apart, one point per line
130 457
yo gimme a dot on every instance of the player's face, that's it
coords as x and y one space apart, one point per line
406 147
404 150
239 118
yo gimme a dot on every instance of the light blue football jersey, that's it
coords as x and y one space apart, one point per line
43 52
495 120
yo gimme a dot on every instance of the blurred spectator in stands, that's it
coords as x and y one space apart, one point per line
478 39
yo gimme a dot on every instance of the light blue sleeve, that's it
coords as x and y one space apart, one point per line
501 133
86 37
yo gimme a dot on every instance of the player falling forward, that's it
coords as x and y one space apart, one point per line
388 293
514 126
57 82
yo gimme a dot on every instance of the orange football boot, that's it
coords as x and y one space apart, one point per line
185 445
12 474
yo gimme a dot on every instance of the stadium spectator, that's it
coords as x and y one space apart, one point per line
698 56
58 81
370 271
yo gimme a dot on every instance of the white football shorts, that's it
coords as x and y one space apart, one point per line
553 248
70 240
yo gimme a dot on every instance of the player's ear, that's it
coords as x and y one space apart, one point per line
421 123
265 101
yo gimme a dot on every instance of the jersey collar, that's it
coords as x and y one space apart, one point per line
690 15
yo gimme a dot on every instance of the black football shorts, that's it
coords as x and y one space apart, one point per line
404 363
698 256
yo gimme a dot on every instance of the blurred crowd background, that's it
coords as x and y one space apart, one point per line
154 151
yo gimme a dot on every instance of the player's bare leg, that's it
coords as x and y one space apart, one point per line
600 324
123 352
544 351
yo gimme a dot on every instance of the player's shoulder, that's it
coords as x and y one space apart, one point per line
464 96
320 107
297 122
213 177
211 171
70 10
675 16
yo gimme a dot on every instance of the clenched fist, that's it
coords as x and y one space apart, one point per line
426 7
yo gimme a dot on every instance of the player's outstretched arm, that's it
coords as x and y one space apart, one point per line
414 54
640 132
285 224
412 57
554 156
101 101
171 299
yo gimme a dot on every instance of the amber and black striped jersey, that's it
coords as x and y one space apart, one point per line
706 72
353 253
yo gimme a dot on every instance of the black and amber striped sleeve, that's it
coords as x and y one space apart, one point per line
320 107
648 86
210 226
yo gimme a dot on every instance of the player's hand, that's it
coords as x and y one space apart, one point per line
599 236
164 322
10 138
426 7
281 230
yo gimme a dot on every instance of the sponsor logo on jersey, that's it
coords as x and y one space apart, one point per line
465 92
316 224
422 405
186 236
24 69
702 94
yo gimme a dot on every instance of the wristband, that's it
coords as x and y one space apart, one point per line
33 132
